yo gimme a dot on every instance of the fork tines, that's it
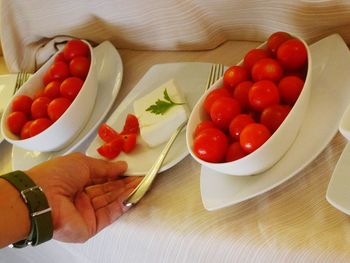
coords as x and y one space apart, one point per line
216 71
21 78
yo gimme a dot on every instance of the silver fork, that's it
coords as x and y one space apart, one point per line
216 71
22 77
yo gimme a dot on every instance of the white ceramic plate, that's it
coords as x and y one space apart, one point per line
110 75
190 78
330 97
338 192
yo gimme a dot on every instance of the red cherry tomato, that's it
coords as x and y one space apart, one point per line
79 67
15 121
263 94
131 125
292 54
253 136
129 142
52 90
234 152
223 110
25 130
59 71
276 39
238 123
253 56
111 149
47 77
211 145
234 75
39 93
57 107
107 133
75 48
22 103
60 57
213 96
241 93
290 88
274 115
39 125
267 68
39 107
202 126
70 87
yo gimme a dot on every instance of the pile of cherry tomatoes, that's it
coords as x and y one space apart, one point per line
254 100
62 83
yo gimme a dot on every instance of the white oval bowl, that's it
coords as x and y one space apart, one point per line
62 132
273 149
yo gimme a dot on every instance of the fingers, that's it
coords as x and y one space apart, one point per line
102 170
107 199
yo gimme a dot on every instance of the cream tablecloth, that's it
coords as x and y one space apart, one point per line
291 223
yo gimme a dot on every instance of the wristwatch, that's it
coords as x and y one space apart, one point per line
39 210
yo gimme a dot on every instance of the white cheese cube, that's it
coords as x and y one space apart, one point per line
156 129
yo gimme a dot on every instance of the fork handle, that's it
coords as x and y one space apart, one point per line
146 182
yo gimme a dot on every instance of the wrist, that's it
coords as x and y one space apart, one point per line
39 211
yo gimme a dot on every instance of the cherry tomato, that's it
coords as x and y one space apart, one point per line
131 125
60 57
129 142
59 71
39 125
107 133
234 75
263 94
276 39
111 149
22 103
210 145
39 93
70 87
238 123
39 107
267 68
202 126
79 67
253 56
47 77
292 54
213 96
75 48
223 110
15 121
25 130
274 115
290 88
57 107
52 90
253 136
241 93
234 152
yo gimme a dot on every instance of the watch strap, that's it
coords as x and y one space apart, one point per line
39 210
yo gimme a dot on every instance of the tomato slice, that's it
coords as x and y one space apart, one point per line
107 133
111 149
131 125
129 142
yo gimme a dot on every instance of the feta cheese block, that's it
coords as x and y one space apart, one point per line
156 129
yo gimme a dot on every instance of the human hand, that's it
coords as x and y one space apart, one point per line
85 194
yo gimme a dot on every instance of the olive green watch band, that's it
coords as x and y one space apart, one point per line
39 210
